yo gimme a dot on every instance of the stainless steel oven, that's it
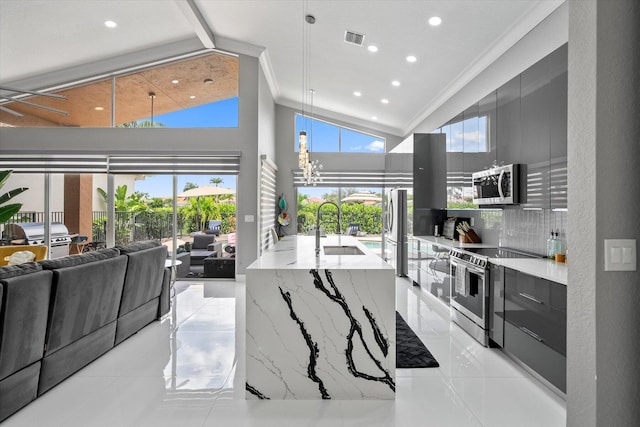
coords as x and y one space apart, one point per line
470 293
471 287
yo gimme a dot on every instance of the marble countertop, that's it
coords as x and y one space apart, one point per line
448 243
539 267
298 252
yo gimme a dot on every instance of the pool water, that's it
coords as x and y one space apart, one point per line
372 245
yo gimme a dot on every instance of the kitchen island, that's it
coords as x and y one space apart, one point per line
320 327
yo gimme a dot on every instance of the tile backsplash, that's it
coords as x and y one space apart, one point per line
527 230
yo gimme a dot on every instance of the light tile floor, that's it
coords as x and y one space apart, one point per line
187 370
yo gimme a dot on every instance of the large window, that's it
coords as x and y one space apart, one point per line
325 137
196 92
360 213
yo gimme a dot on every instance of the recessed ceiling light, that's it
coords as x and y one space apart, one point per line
356 93
434 21
384 100
175 81
110 24
98 108
372 48
395 83
192 97
374 118
411 59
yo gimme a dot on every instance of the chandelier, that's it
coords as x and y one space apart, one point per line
310 168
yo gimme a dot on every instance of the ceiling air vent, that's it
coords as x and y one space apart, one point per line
353 38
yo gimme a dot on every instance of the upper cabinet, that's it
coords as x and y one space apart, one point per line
524 121
558 129
508 130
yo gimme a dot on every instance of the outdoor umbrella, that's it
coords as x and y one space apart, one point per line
362 197
205 190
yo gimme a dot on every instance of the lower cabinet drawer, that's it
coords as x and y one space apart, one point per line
547 362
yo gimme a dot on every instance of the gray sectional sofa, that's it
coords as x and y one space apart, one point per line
57 316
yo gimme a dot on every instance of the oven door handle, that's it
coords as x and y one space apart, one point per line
470 267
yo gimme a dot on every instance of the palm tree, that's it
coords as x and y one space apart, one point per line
7 211
189 186
216 181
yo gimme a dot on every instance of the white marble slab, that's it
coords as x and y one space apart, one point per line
320 328
539 267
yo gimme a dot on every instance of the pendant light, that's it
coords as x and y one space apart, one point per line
310 169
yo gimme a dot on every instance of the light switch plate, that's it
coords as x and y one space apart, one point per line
248 218
620 255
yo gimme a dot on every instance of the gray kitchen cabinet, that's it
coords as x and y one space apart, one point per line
535 102
496 304
471 157
487 131
432 269
508 132
535 324
524 121
558 129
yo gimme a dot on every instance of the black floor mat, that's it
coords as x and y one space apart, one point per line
410 351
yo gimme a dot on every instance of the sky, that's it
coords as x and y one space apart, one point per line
221 114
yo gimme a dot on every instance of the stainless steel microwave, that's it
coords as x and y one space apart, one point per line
497 186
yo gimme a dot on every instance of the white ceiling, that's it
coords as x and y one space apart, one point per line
42 36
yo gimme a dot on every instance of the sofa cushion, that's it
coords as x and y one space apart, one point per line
10 271
84 258
85 297
143 280
138 246
24 307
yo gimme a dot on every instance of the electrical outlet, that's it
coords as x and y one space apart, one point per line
473 222
620 255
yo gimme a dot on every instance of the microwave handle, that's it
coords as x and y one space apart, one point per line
500 178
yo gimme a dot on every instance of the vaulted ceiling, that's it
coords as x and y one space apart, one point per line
43 39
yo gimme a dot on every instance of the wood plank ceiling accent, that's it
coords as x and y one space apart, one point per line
132 94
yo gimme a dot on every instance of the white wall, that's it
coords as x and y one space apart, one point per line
603 335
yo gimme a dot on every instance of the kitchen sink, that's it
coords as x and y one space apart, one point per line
342 250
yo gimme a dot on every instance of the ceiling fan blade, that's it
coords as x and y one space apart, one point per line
49 95
55 110
10 111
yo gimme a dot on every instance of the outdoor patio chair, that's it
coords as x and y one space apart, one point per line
214 227
353 229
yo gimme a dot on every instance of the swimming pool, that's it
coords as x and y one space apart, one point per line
371 245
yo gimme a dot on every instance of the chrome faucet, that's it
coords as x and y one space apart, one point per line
318 225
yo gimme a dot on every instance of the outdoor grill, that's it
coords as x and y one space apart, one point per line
32 233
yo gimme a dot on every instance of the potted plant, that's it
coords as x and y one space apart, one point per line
8 210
